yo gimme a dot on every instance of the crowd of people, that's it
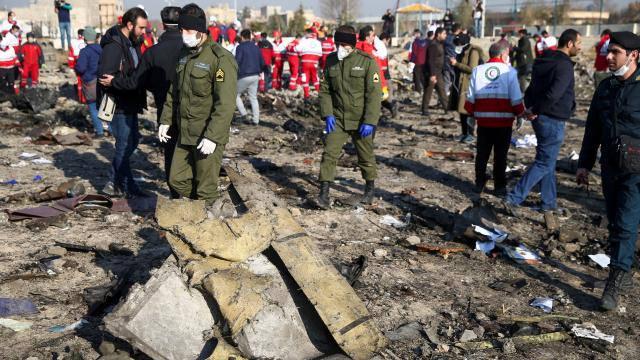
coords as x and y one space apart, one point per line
20 58
533 80
198 72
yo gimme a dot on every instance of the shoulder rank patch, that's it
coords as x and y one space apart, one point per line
220 75
376 78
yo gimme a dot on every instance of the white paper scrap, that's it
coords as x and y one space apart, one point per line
601 259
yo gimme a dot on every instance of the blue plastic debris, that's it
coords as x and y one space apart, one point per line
10 182
10 307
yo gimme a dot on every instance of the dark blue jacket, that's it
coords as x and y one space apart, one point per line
88 60
449 52
64 15
551 90
249 59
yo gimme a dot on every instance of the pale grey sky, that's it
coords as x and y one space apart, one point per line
367 7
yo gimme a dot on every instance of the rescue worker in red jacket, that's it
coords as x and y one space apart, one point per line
214 29
74 52
310 50
8 64
6 26
32 60
328 46
279 53
266 49
232 33
293 57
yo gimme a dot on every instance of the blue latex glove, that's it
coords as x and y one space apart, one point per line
366 130
330 123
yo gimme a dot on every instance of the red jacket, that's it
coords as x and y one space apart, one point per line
8 58
494 98
365 47
310 50
418 54
214 32
292 54
231 35
147 43
32 54
539 48
328 46
601 54
267 51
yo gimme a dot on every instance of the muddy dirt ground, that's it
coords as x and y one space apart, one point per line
438 297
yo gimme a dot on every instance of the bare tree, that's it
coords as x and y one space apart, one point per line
343 11
532 13
463 14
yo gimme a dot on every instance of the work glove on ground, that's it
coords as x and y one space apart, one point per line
206 146
330 123
366 130
162 133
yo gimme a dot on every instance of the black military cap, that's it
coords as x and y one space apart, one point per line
626 39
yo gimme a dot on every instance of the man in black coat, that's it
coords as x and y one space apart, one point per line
120 57
434 72
615 111
156 72
389 20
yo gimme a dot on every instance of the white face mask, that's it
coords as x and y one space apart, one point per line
623 69
343 52
459 49
190 40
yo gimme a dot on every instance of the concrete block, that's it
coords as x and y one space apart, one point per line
164 318
263 316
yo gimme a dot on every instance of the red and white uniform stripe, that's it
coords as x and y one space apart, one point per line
310 50
279 52
328 46
8 57
293 57
494 98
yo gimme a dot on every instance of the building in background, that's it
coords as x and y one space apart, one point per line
223 13
269 10
109 11
40 15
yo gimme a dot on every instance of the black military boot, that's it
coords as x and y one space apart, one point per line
323 201
618 283
369 190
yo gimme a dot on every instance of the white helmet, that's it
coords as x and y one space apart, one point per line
212 18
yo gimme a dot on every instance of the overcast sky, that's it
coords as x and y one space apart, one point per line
367 7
